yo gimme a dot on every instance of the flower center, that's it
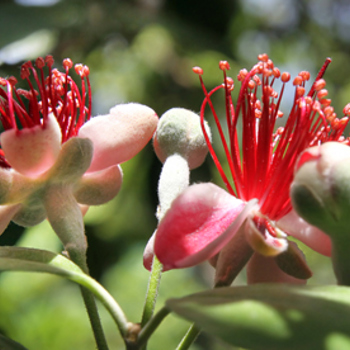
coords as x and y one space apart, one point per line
56 94
261 157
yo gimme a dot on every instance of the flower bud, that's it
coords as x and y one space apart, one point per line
321 195
179 132
321 189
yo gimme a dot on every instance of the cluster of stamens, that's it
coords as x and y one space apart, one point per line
262 165
55 94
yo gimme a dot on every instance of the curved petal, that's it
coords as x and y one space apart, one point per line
148 253
119 135
199 223
32 151
261 269
99 187
310 235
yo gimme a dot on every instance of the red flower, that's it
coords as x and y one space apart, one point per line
52 149
261 159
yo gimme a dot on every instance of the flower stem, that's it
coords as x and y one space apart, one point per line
90 304
152 291
107 300
151 326
66 219
189 338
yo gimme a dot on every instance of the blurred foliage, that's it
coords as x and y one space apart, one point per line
143 50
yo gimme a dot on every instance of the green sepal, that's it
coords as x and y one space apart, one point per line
272 317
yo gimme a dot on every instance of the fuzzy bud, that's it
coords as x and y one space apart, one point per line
321 195
179 132
321 189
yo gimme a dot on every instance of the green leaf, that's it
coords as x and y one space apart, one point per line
27 259
271 317
9 344
36 260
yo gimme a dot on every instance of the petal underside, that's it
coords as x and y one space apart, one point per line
310 235
120 135
99 187
198 224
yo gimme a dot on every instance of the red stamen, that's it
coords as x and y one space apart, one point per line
263 167
57 94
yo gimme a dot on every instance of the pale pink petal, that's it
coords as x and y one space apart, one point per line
32 151
198 224
261 269
99 187
119 135
84 208
310 235
148 253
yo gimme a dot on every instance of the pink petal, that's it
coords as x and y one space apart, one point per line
310 235
148 253
32 151
120 135
261 269
99 187
198 224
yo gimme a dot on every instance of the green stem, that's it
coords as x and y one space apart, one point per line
90 303
152 291
189 338
106 299
66 219
151 326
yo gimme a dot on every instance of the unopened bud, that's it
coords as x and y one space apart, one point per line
321 195
321 189
179 132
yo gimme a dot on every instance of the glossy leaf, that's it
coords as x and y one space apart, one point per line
272 316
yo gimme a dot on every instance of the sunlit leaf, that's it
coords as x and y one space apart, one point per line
272 316
26 259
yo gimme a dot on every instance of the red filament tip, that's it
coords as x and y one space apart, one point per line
261 157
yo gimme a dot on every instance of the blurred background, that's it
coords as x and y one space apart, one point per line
143 51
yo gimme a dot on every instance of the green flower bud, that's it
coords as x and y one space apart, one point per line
321 189
321 195
179 132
